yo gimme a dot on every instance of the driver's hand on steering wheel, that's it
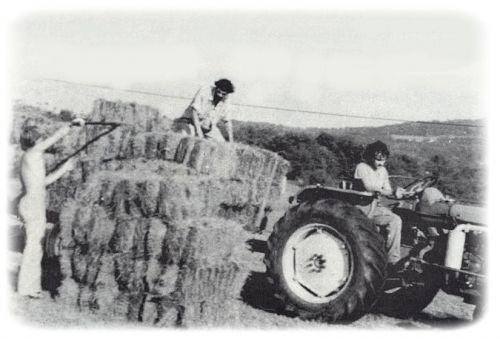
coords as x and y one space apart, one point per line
400 193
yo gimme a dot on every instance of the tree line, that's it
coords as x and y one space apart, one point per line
325 155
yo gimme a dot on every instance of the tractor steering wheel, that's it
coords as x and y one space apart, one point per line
420 185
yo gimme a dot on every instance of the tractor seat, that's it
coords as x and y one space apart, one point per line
352 184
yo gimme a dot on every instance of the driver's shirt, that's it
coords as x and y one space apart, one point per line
373 179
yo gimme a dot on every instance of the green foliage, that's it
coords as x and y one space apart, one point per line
454 153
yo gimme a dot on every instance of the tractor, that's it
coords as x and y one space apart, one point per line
327 260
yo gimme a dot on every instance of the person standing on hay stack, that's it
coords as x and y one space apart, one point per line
209 106
31 206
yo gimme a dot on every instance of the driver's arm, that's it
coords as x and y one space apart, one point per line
397 193
386 186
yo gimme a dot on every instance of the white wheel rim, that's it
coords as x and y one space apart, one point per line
316 263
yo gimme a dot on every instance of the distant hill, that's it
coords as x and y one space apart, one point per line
453 152
427 128
457 128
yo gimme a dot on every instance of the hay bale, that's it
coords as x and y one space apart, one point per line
211 269
150 145
263 172
230 160
69 287
210 157
206 291
195 265
192 263
117 289
141 117
126 142
173 193
139 137
141 167
169 145
130 197
179 198
108 298
90 238
133 193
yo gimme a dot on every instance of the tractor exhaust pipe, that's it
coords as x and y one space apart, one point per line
456 244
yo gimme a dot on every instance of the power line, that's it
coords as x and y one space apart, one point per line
178 97
359 116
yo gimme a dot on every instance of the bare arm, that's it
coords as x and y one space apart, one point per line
43 145
59 172
68 165
196 122
229 126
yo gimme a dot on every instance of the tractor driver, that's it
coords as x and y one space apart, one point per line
375 178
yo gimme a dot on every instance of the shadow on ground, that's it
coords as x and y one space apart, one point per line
258 293
256 245
443 320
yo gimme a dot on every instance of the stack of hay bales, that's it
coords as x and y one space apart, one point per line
142 134
154 228
122 256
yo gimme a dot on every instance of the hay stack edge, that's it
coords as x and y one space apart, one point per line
152 223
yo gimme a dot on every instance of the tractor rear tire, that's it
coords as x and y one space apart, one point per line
326 261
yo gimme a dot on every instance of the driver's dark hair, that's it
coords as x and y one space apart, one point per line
374 148
225 85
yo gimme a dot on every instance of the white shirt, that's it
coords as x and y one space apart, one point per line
373 180
208 114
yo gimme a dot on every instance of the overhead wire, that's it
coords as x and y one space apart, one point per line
284 109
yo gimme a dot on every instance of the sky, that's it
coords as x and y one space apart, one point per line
398 65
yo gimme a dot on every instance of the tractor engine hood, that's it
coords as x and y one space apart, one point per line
468 214
433 203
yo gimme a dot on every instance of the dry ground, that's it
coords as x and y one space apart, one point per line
254 308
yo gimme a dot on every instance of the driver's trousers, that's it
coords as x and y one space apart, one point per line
390 226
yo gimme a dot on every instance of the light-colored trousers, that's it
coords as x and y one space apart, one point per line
30 273
390 225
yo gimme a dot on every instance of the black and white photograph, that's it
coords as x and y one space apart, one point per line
248 168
